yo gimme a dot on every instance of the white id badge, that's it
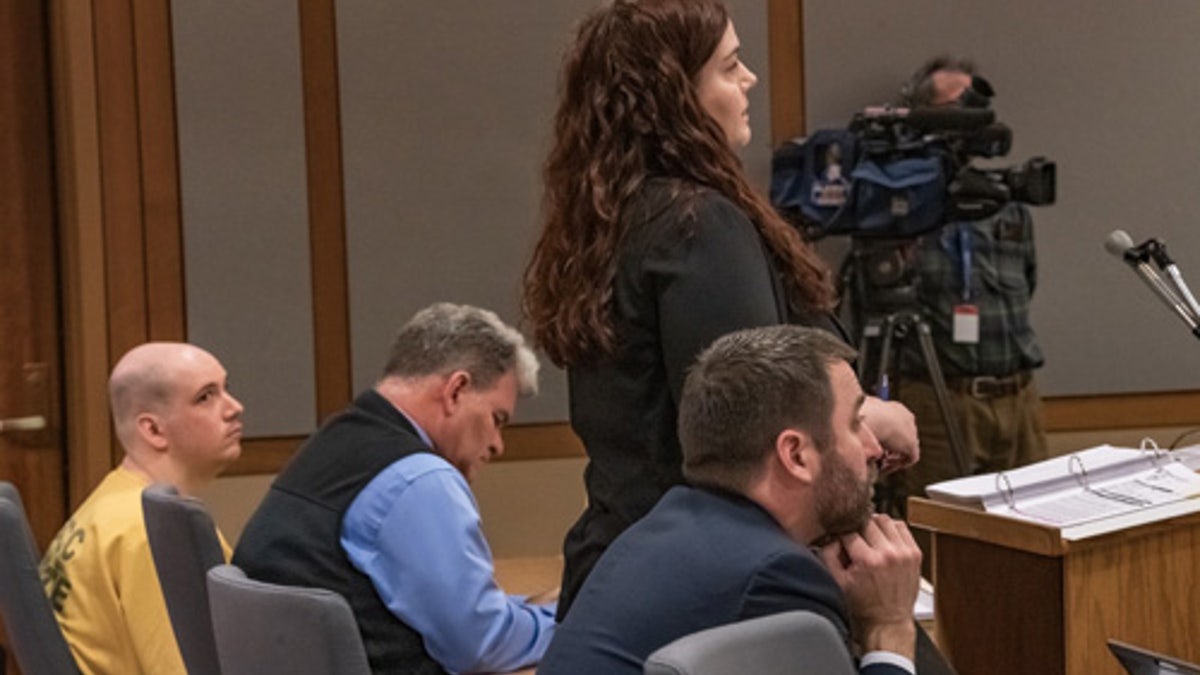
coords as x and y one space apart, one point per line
966 324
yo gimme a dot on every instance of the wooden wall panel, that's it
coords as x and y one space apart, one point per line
785 21
326 206
122 271
159 171
138 172
1123 411
120 175
80 208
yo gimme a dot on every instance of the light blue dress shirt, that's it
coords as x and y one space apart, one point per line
415 531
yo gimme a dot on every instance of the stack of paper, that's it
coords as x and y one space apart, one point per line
1086 493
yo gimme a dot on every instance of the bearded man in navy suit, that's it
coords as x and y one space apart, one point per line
776 517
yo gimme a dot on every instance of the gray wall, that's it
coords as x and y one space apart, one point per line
1106 89
245 204
446 114
446 107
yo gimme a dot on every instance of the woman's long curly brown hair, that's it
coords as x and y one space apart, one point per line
628 111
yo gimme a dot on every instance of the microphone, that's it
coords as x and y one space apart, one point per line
1118 243
1121 245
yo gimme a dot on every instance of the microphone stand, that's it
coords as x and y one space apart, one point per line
1138 258
1158 251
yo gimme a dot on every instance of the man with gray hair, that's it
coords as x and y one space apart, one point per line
778 460
376 505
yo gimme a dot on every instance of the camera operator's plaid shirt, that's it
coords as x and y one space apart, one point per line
1003 277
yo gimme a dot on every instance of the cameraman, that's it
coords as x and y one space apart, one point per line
976 279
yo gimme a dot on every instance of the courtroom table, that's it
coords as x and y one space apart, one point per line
529 576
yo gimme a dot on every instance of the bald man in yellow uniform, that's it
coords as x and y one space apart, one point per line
179 425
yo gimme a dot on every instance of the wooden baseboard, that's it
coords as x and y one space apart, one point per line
1122 411
522 442
555 440
264 455
548 440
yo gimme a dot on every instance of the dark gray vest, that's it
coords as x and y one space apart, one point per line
293 537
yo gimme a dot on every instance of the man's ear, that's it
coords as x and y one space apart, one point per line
150 428
797 454
453 388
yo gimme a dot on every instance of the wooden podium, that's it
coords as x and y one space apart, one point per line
1014 597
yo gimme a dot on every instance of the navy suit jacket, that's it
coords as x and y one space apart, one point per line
699 559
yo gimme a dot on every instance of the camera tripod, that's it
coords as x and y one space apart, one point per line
878 279
898 326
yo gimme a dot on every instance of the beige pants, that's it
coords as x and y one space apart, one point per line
999 433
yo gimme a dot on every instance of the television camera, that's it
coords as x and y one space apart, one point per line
892 175
900 172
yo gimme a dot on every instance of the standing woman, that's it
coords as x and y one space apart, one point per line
653 245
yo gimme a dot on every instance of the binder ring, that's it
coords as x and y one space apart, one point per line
1078 470
1158 456
1005 488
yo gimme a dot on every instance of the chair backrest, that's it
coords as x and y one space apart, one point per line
268 628
35 639
791 643
184 544
11 493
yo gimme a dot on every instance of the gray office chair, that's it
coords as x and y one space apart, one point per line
264 628
34 637
791 643
9 491
184 544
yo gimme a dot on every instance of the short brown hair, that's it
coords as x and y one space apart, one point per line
744 390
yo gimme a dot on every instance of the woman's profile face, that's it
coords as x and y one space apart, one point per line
721 86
